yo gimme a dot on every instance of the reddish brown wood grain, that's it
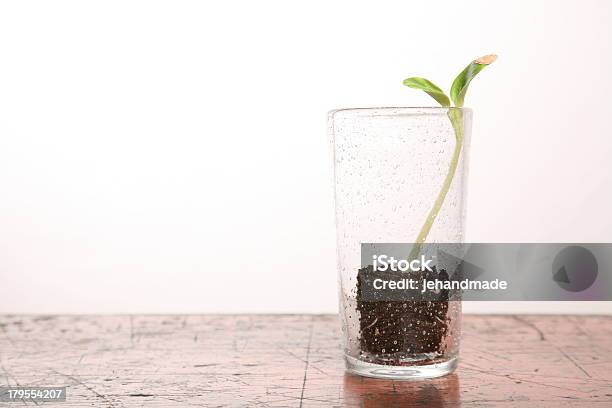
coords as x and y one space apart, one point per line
296 361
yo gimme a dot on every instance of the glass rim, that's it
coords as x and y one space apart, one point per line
400 110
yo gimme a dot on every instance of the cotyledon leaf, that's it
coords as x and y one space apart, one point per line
461 83
429 87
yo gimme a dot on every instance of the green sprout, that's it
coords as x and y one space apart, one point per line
457 95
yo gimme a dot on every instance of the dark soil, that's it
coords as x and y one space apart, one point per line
399 329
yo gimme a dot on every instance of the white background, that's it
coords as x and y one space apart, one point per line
173 157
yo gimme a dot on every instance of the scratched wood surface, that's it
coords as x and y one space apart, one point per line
295 361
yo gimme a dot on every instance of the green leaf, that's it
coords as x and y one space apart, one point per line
429 87
461 83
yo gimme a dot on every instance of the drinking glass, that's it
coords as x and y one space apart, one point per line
390 165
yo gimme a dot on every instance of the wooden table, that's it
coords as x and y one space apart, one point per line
296 361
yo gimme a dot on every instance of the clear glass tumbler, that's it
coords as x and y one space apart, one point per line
396 169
